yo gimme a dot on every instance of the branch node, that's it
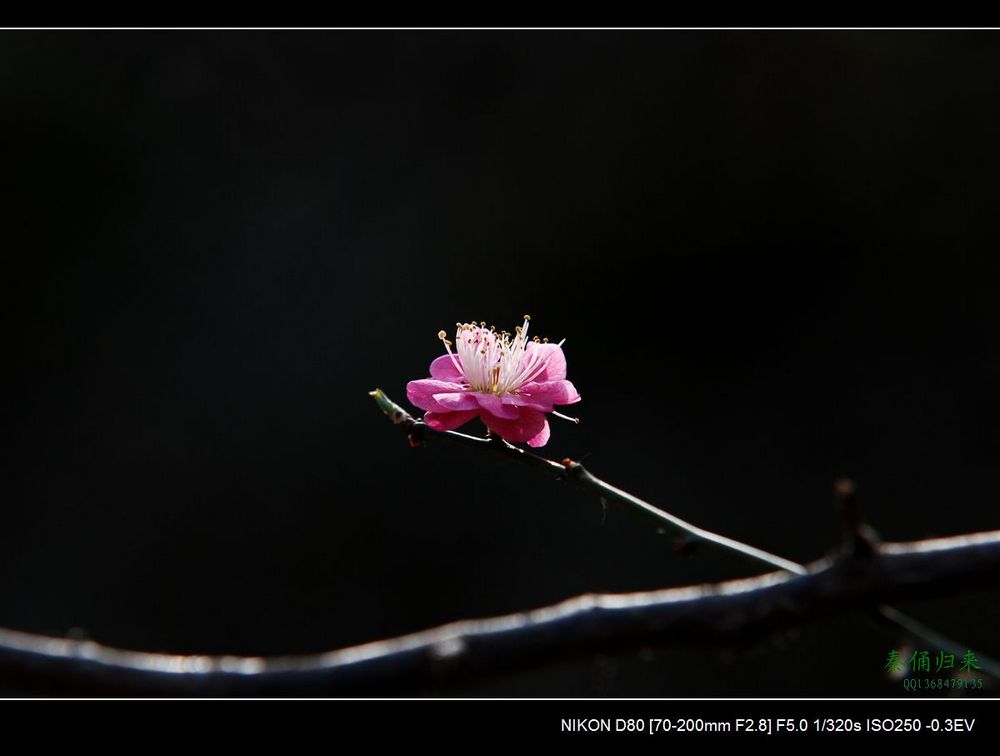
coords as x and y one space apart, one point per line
574 470
416 435
684 545
860 538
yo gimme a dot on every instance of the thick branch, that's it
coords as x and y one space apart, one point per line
735 610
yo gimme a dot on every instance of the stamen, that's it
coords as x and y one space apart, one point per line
566 417
493 361
447 345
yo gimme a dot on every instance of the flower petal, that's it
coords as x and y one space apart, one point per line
421 393
528 425
443 369
555 361
541 396
445 421
542 437
457 400
492 404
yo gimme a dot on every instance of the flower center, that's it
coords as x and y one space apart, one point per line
494 362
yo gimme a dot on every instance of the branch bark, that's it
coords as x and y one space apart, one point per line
732 611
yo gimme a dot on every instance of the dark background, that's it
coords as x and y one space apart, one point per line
773 257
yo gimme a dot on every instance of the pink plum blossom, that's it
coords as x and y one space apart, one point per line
510 383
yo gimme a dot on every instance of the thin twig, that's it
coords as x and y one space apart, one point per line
732 611
885 616
420 433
